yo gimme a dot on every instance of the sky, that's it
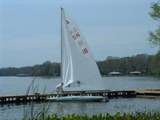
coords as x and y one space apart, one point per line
30 29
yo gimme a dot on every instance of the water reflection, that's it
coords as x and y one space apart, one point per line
61 109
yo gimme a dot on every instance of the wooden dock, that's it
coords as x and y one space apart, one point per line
148 93
111 94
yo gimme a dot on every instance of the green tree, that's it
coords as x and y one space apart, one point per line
154 37
156 64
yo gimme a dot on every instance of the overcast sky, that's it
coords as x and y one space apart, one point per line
30 30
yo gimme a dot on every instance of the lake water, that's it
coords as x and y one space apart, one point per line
19 85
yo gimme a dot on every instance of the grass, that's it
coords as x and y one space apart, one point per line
117 116
30 111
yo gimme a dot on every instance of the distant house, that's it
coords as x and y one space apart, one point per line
135 73
114 74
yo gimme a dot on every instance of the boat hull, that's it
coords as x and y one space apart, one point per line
77 98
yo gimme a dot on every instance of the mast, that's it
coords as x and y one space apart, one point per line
61 49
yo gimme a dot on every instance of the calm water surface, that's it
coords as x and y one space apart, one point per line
19 85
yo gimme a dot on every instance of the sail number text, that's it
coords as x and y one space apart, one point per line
75 35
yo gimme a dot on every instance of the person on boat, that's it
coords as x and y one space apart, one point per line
59 89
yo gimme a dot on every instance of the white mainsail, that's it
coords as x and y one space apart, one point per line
79 71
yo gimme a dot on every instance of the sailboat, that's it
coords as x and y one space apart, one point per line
79 71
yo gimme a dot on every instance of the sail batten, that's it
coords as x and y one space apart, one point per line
79 69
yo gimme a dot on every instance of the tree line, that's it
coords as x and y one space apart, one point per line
146 64
46 69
